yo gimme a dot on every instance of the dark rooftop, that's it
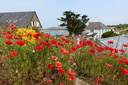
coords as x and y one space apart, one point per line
20 19
96 26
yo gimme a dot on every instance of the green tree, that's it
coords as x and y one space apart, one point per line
109 34
75 23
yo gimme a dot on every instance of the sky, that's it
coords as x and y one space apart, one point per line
109 12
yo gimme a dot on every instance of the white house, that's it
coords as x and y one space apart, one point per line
97 28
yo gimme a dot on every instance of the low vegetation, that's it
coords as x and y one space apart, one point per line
31 58
109 34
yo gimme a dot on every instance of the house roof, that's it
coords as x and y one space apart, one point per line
96 26
20 19
118 41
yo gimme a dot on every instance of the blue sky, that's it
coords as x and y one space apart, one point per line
109 12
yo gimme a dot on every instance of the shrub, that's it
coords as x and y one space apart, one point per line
109 34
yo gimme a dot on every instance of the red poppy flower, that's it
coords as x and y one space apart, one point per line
50 81
12 25
70 51
74 64
71 59
8 32
22 35
16 38
30 34
21 43
61 70
62 49
54 41
43 43
71 73
74 49
4 32
115 50
39 47
110 42
9 56
54 58
65 52
121 75
113 55
121 61
103 54
126 62
37 35
8 42
47 35
109 66
79 46
125 71
92 51
114 71
4 81
125 45
111 49
41 76
97 80
66 40
12 28
58 64
9 36
100 57
14 53
101 49
62 84
122 50
71 78
49 45
50 65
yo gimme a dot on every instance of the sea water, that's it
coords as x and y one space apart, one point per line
55 32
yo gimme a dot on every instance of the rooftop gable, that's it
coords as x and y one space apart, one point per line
20 19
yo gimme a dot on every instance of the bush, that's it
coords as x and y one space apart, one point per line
109 34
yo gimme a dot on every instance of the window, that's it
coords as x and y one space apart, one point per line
91 30
32 23
35 23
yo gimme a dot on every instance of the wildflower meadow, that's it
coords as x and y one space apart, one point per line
31 58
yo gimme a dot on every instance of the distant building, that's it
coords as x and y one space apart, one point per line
96 29
20 19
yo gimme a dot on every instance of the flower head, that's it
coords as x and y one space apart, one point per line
58 64
47 35
110 42
14 53
61 70
97 80
9 36
8 42
50 65
38 47
125 71
21 43
109 66
54 58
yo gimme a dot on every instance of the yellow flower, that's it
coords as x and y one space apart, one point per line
27 38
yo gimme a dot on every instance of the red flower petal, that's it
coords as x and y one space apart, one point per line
58 64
